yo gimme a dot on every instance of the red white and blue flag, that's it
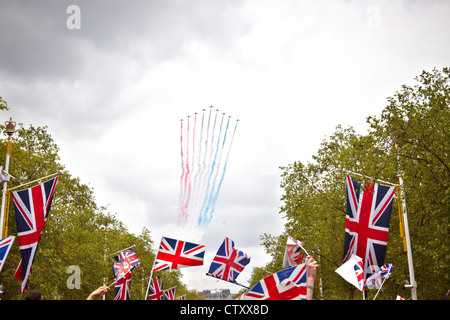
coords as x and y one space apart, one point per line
129 259
5 246
169 294
174 254
31 207
155 291
374 281
292 253
287 284
367 223
127 262
358 267
122 287
352 271
228 262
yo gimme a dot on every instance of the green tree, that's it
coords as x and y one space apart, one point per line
3 104
409 138
78 233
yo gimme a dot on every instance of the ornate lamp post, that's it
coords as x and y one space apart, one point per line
10 127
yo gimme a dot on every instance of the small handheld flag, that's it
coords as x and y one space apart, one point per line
352 272
287 284
292 253
174 254
228 262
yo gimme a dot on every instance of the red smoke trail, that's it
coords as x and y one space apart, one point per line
182 175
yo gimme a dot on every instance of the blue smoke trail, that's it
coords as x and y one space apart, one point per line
210 198
213 208
205 205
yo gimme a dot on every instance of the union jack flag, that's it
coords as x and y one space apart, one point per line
359 274
182 297
374 280
127 262
292 253
5 246
228 262
31 207
122 285
155 291
174 254
169 294
129 259
287 284
367 223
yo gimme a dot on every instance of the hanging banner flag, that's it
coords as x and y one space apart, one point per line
287 284
228 262
367 223
5 246
174 254
169 294
31 207
155 291
352 272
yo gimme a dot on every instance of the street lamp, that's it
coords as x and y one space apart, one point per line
10 127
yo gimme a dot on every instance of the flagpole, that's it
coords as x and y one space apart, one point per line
363 176
109 255
238 284
151 272
379 289
413 284
37 180
10 128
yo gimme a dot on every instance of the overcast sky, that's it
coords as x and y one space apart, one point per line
111 80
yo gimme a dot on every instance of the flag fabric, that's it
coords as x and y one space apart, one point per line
287 284
382 273
169 294
155 291
352 271
359 274
292 253
127 262
122 285
174 254
129 259
32 207
182 297
5 246
228 262
399 298
367 223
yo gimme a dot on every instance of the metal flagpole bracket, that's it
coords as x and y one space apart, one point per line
34 181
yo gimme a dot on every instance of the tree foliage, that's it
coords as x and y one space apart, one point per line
411 139
78 231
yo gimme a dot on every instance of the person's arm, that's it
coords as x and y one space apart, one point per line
311 276
98 293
